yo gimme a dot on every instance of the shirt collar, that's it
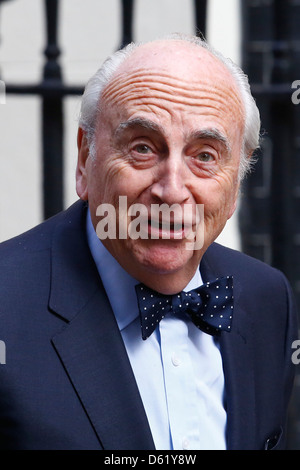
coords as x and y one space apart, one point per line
118 284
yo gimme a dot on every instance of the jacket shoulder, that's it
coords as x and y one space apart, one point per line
37 238
25 259
237 262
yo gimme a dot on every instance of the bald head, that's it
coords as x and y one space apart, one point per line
185 63
181 66
181 57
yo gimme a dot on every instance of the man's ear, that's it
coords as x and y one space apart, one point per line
81 168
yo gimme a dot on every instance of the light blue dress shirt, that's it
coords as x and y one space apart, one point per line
178 369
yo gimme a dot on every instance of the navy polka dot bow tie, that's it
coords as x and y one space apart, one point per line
210 306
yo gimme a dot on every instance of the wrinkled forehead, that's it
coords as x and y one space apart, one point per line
176 72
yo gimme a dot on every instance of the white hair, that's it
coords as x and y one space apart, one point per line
90 104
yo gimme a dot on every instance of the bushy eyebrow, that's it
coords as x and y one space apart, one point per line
148 125
138 123
211 134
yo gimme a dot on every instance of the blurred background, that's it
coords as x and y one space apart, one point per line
50 48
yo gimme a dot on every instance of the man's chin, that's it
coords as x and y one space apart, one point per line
163 258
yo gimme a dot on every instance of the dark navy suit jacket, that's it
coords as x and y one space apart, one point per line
67 382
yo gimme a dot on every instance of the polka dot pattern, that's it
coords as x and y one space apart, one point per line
210 306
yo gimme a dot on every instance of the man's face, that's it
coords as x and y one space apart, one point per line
169 132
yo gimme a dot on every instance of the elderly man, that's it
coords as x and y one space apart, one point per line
129 329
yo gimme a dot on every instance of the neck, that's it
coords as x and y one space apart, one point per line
166 283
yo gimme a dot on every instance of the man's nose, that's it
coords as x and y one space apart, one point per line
170 183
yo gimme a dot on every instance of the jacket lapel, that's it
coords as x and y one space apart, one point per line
238 363
90 346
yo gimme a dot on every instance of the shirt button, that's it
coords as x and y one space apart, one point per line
185 444
175 360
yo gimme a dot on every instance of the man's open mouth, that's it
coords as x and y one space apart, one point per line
160 222
168 229
166 225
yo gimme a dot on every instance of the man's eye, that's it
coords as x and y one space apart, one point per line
205 157
143 149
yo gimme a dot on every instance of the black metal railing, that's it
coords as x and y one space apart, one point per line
270 206
52 91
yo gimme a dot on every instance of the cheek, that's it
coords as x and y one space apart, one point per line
219 197
103 178
111 178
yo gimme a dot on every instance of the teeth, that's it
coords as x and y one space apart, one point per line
166 226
